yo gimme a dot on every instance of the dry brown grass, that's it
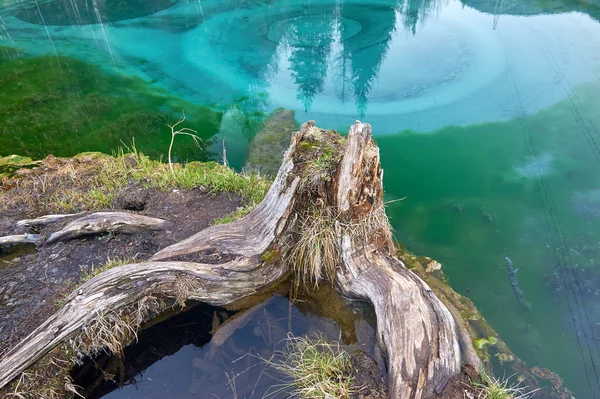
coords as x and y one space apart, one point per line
48 378
113 330
184 288
316 254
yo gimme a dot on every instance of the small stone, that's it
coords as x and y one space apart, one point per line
433 266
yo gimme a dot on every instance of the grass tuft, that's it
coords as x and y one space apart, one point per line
317 369
491 387
113 330
235 215
185 287
110 263
316 253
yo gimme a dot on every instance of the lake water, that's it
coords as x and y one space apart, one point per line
487 113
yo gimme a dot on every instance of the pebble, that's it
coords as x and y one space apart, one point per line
432 266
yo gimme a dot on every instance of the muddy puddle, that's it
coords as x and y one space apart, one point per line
180 358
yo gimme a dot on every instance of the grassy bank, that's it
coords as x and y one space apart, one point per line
91 181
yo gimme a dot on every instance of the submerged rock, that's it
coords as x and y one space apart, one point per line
536 167
267 148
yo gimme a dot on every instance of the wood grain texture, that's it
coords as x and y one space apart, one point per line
19 239
107 222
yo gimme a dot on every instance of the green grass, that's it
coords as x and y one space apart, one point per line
93 181
491 387
109 264
250 187
315 367
235 215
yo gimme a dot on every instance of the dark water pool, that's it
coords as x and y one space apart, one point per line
177 359
487 113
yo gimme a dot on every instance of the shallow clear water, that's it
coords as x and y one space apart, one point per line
487 113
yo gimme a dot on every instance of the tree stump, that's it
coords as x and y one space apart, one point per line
324 219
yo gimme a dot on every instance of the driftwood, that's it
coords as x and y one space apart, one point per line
327 183
47 219
512 276
19 239
107 222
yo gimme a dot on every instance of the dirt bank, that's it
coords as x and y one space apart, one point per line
34 281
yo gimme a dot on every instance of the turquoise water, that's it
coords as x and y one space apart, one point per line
487 113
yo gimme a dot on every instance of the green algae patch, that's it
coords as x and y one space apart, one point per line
267 148
271 255
63 106
471 322
488 346
8 53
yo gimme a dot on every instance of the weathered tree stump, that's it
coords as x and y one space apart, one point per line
322 218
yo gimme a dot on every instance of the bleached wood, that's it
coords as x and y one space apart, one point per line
414 329
125 285
47 219
252 234
107 222
19 239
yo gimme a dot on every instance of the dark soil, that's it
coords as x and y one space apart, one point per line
461 385
368 381
33 282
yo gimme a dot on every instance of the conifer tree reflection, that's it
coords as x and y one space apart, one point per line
310 42
318 46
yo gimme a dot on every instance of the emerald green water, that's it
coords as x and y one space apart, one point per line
487 113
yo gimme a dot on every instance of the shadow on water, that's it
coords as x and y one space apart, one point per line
181 358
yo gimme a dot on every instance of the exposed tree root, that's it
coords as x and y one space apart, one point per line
46 220
107 222
19 239
323 216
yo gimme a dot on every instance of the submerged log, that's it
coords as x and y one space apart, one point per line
323 218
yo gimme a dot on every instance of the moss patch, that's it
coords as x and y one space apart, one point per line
12 163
